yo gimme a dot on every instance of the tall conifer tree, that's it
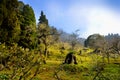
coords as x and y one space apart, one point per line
9 23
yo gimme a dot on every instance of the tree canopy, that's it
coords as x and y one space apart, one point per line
9 23
27 25
95 41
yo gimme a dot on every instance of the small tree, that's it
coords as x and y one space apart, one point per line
74 39
113 45
98 43
46 34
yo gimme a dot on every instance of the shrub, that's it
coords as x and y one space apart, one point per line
21 62
4 77
73 68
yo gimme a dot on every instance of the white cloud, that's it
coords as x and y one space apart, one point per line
103 21
89 18
95 19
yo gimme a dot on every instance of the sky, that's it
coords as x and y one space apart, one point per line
87 16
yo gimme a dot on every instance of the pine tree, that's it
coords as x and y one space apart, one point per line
43 19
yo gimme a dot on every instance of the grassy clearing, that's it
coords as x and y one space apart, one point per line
86 69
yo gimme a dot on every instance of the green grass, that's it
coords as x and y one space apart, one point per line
82 71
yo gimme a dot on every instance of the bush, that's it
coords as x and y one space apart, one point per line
4 77
73 68
21 62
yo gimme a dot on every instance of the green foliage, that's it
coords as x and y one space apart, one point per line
114 69
27 25
21 62
29 17
4 77
9 23
28 64
43 19
73 68
44 37
45 33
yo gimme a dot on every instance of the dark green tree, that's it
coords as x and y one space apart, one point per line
27 25
43 19
9 23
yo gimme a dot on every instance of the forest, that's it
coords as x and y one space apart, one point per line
38 51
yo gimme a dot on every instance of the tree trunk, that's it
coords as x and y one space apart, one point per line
45 51
108 57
